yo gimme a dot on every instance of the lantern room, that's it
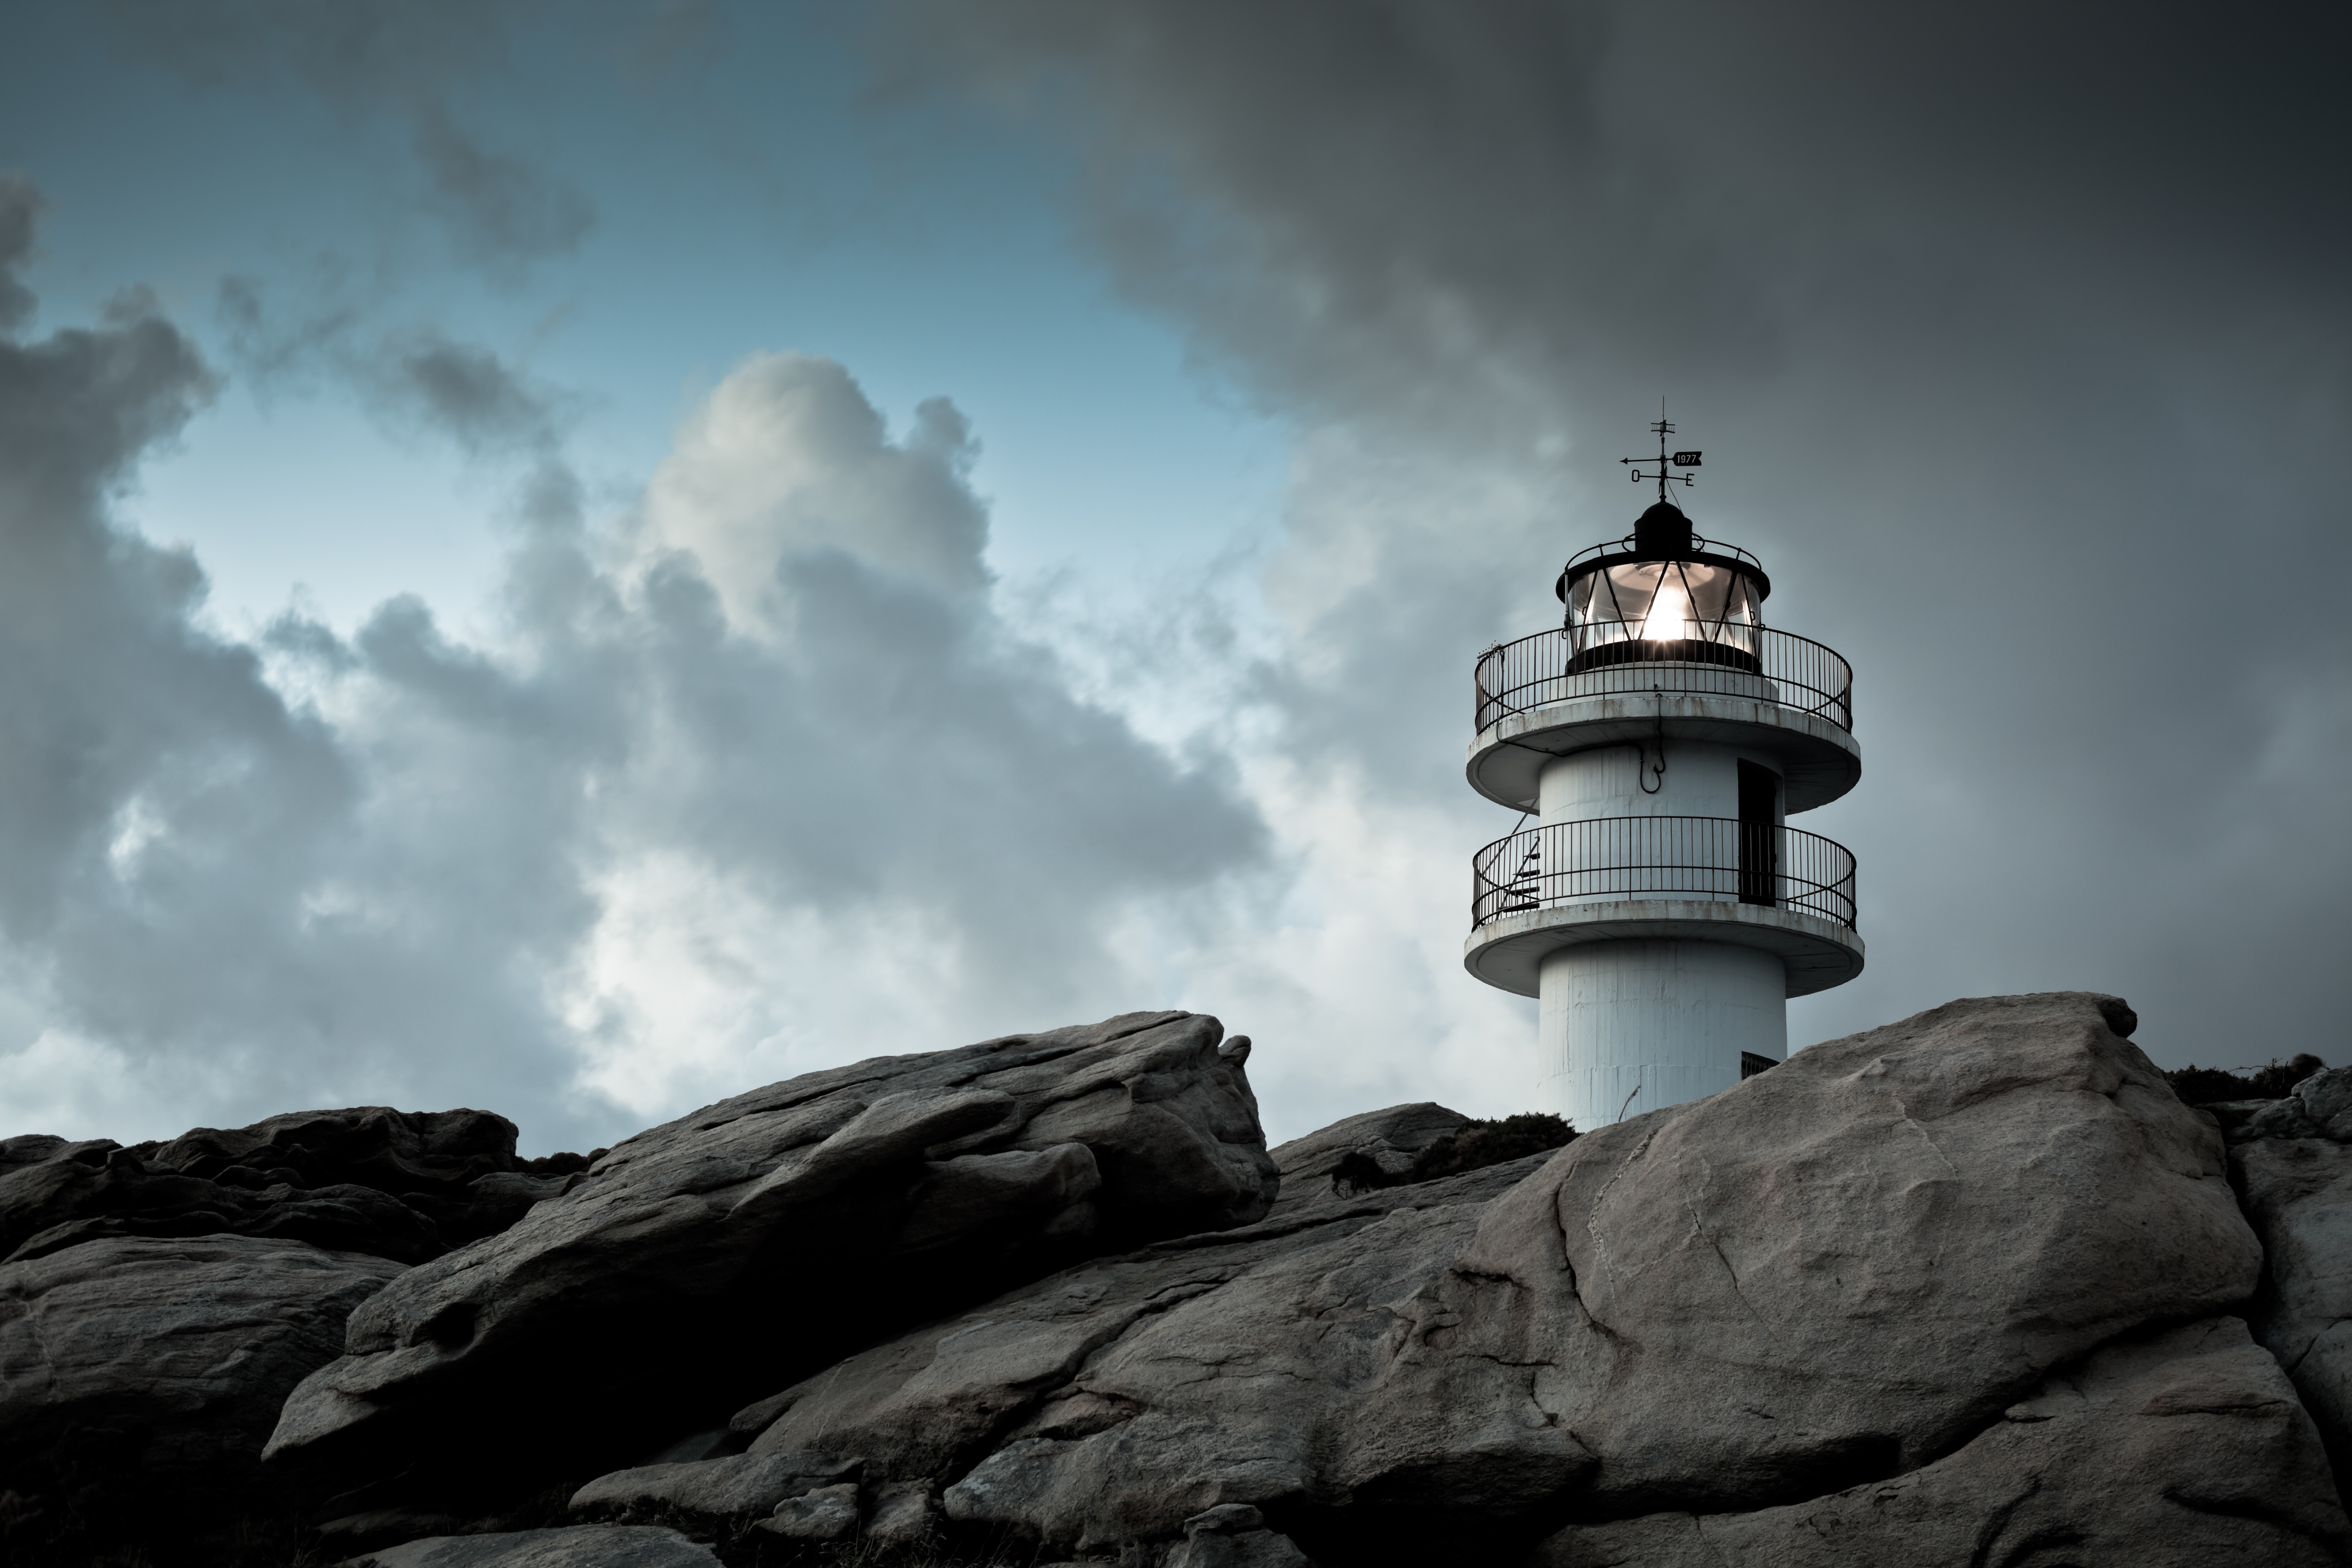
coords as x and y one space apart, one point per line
1663 594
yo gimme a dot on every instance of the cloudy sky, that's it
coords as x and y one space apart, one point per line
577 558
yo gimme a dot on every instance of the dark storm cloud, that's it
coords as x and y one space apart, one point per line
411 377
470 395
498 206
20 206
784 682
1583 186
2017 340
413 59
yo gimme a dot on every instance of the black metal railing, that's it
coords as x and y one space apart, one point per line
1609 658
1714 858
1625 548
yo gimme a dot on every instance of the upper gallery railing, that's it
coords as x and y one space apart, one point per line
1711 858
1603 658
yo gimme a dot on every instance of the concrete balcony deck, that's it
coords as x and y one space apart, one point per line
1779 889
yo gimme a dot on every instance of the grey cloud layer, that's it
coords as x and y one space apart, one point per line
2015 339
383 891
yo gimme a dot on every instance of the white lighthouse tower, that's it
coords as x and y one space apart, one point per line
1661 910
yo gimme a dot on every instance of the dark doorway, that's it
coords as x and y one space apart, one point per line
1760 835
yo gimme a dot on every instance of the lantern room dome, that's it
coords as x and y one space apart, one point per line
1662 530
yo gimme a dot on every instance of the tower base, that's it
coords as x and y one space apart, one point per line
1628 1026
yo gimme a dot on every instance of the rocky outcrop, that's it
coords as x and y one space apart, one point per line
2176 1448
579 1546
1837 1273
372 1146
1388 1140
459 1168
769 1233
407 1185
94 1195
162 1363
2292 1161
1975 1287
2320 1107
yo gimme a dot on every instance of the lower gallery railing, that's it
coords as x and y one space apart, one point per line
1711 858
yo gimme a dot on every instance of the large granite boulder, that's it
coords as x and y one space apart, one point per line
735 1247
158 1366
1836 1274
407 1185
2176 1448
938 1400
2293 1164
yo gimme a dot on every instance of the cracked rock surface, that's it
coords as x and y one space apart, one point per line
2171 1449
165 1361
1027 1375
2293 1165
1838 1272
769 1232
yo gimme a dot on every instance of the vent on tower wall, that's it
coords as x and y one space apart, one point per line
1751 1064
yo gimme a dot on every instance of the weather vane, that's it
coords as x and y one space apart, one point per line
1678 460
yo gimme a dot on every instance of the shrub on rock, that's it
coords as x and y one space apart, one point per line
1470 1146
2207 1086
1389 1139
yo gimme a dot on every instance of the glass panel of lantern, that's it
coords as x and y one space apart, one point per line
1665 601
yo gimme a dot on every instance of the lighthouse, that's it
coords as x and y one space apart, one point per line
1659 906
